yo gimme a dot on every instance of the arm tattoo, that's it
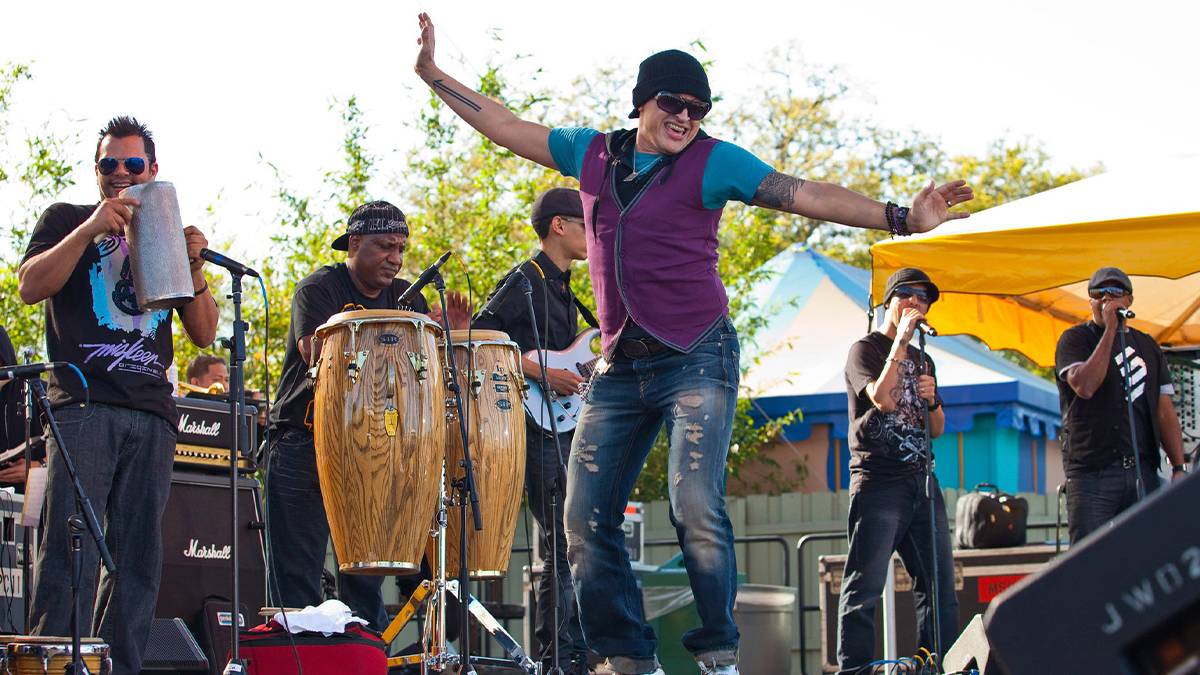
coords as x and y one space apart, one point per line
777 190
437 84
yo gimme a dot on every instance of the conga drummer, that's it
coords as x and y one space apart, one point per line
375 241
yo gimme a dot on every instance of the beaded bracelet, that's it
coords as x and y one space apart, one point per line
897 219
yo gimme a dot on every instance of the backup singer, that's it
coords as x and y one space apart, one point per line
652 199
297 529
888 386
122 441
558 220
1097 442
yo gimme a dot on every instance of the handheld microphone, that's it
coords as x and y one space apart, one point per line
517 278
1125 313
926 328
30 370
226 262
423 280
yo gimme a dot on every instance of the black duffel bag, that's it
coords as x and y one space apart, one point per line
986 517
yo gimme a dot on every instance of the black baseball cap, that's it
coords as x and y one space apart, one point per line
1110 276
910 276
378 217
559 201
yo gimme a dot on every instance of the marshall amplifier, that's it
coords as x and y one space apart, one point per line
196 546
205 434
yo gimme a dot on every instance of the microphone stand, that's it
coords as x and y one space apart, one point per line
26 543
1126 381
237 390
527 288
84 517
465 485
935 582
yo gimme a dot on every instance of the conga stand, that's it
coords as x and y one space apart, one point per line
84 517
438 655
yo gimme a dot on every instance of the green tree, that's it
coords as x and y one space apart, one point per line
33 172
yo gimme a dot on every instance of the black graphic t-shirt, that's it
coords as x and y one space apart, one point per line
319 296
94 322
1096 431
884 446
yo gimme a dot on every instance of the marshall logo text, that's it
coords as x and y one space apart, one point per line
198 427
210 552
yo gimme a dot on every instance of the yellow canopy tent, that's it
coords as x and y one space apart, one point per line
1015 276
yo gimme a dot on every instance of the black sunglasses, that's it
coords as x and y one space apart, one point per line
1110 291
134 165
673 105
905 293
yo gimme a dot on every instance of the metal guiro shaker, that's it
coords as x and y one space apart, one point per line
158 257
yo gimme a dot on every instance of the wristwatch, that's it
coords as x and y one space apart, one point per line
1179 468
937 403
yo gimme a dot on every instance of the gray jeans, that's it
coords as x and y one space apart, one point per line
123 458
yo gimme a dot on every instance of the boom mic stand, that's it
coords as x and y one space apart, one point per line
934 591
465 485
1127 382
237 390
527 288
83 518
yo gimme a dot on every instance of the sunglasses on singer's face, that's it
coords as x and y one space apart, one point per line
906 293
673 105
134 165
1107 291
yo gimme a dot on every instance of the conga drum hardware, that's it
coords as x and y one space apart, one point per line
420 364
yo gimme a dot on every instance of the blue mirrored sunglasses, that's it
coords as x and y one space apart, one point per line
134 165
1110 291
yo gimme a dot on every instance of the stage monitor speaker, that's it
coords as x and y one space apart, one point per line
171 648
1126 600
971 651
196 546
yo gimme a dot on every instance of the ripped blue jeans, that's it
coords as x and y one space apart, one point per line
695 395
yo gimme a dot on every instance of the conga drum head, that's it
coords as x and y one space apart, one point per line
492 386
41 655
379 425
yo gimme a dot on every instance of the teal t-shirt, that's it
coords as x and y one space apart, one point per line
732 173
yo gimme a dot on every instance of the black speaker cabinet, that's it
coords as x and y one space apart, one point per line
171 648
12 582
196 546
1126 600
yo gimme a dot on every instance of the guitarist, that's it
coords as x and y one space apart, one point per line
558 220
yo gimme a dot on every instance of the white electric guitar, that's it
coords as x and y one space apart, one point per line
578 358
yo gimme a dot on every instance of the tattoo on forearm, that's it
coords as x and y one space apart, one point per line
777 190
437 84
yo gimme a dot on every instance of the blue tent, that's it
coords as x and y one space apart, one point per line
1000 418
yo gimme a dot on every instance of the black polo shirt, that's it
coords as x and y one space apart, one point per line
553 305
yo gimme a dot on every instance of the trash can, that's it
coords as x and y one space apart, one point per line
764 618
671 611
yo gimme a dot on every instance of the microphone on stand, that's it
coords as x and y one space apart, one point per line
226 262
926 328
517 278
423 280
29 370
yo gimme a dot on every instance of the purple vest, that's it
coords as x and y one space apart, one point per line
656 262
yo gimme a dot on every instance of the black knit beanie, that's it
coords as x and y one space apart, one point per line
673 71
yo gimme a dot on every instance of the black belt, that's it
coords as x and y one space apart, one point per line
640 348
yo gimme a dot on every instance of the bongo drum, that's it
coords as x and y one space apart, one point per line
380 426
36 655
492 385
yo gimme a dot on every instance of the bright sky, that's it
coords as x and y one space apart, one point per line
223 84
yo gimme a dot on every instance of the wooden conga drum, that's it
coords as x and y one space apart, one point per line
492 385
379 424
36 655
